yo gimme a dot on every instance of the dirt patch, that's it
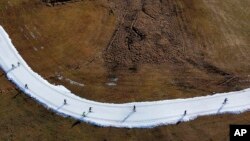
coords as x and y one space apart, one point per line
184 38
147 32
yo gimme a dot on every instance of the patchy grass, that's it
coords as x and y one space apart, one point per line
73 36
69 39
23 119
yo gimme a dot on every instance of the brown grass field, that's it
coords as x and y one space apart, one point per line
210 50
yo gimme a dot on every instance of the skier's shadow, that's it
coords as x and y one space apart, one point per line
60 107
78 122
181 119
3 74
221 107
11 70
15 96
128 116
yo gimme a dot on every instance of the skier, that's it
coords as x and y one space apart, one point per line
90 109
18 64
26 86
225 101
134 108
13 66
185 112
83 114
65 101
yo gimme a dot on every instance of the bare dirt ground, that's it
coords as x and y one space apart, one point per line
124 51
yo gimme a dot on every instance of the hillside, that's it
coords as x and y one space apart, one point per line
157 50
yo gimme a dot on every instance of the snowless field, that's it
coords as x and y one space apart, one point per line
146 114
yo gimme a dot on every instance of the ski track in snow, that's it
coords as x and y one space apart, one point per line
147 114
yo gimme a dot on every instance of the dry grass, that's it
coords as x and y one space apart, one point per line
72 38
23 119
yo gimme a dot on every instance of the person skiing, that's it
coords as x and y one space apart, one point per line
26 86
90 109
65 102
134 108
225 101
83 114
185 112
18 64
13 66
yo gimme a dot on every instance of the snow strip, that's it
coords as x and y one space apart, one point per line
146 114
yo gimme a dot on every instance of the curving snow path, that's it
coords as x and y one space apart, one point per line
148 114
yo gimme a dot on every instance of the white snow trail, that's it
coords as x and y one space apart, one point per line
147 115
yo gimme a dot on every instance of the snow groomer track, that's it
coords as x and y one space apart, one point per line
146 114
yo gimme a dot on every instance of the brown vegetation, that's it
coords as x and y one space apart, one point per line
157 49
